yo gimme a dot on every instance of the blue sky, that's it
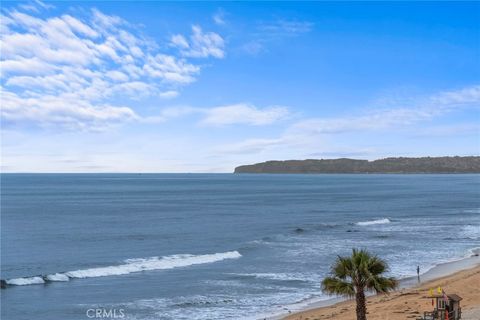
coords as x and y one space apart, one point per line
206 86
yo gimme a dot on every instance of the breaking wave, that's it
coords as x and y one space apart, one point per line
476 210
130 266
368 223
276 276
471 232
25 281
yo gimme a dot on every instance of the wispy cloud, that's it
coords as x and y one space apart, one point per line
36 6
254 47
65 111
447 130
283 27
344 152
268 32
200 44
70 70
236 114
423 109
309 132
219 17
249 146
244 114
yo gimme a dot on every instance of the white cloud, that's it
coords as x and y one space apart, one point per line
373 121
105 21
283 27
250 146
253 47
80 27
51 110
219 17
180 41
200 45
236 114
244 114
86 62
170 69
309 132
168 94
455 98
425 109
21 65
117 75
175 112
271 32
448 130
36 6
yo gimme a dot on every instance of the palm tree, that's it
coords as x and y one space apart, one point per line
355 275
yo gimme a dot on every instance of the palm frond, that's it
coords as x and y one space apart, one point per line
342 268
381 284
332 285
377 266
360 270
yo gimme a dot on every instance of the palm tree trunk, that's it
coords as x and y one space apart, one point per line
361 305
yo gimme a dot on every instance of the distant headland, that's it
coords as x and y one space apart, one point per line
387 165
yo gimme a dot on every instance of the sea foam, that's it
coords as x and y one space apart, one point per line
131 266
471 231
279 276
57 277
25 281
371 222
153 263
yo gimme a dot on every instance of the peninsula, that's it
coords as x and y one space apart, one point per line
388 165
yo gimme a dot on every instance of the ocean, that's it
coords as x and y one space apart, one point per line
215 246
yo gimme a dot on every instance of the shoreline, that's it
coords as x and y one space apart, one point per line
440 273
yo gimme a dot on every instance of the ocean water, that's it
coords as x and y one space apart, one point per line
214 246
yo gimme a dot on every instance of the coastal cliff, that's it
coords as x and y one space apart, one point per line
387 165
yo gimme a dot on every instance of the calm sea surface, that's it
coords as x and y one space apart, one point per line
214 246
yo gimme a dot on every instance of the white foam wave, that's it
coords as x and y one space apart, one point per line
276 276
57 277
25 281
471 231
476 210
131 266
371 222
154 263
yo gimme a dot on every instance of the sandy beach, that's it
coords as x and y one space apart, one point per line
407 303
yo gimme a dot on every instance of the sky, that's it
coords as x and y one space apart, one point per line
207 86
